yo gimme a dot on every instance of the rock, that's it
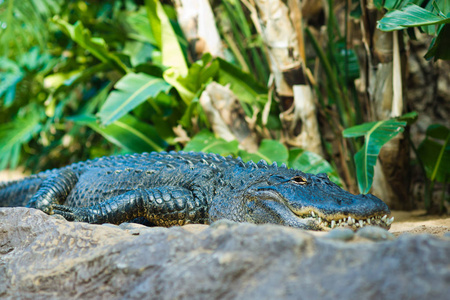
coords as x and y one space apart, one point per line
43 257
343 234
110 225
375 233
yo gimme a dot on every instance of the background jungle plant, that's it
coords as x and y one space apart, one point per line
82 79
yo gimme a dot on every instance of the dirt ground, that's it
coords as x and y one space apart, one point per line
418 222
414 222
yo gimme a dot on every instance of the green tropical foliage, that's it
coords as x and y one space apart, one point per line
434 156
83 79
376 134
434 19
434 152
130 91
205 141
270 150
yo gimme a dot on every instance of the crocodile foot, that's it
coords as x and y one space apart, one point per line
77 214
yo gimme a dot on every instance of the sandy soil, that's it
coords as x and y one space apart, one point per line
414 222
11 175
418 222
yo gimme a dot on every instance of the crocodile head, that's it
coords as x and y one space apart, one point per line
293 198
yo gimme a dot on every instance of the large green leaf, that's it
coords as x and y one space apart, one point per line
269 150
97 46
154 21
142 46
310 162
140 52
434 153
130 91
139 22
165 37
207 142
442 9
16 133
440 45
376 134
410 15
128 132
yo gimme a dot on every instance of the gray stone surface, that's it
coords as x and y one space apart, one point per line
375 233
45 257
343 234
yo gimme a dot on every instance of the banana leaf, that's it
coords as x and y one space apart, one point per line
205 141
130 91
376 134
128 133
269 150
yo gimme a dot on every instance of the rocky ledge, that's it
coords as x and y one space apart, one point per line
46 257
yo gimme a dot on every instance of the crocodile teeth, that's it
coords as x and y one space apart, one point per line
333 223
352 222
390 221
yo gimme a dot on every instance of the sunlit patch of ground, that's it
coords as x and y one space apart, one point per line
11 175
417 222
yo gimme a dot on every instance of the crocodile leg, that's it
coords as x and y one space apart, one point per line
53 190
19 192
162 206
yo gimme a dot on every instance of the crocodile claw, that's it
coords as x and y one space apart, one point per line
77 214
67 212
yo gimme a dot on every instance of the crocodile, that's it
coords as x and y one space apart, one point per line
177 188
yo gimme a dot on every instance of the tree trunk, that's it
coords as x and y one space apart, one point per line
281 29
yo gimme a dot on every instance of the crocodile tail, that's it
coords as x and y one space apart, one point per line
19 192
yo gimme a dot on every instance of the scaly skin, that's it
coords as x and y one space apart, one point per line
178 188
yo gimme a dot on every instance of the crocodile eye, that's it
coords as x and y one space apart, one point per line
299 180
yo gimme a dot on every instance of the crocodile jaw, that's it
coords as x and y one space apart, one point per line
320 206
328 220
338 220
